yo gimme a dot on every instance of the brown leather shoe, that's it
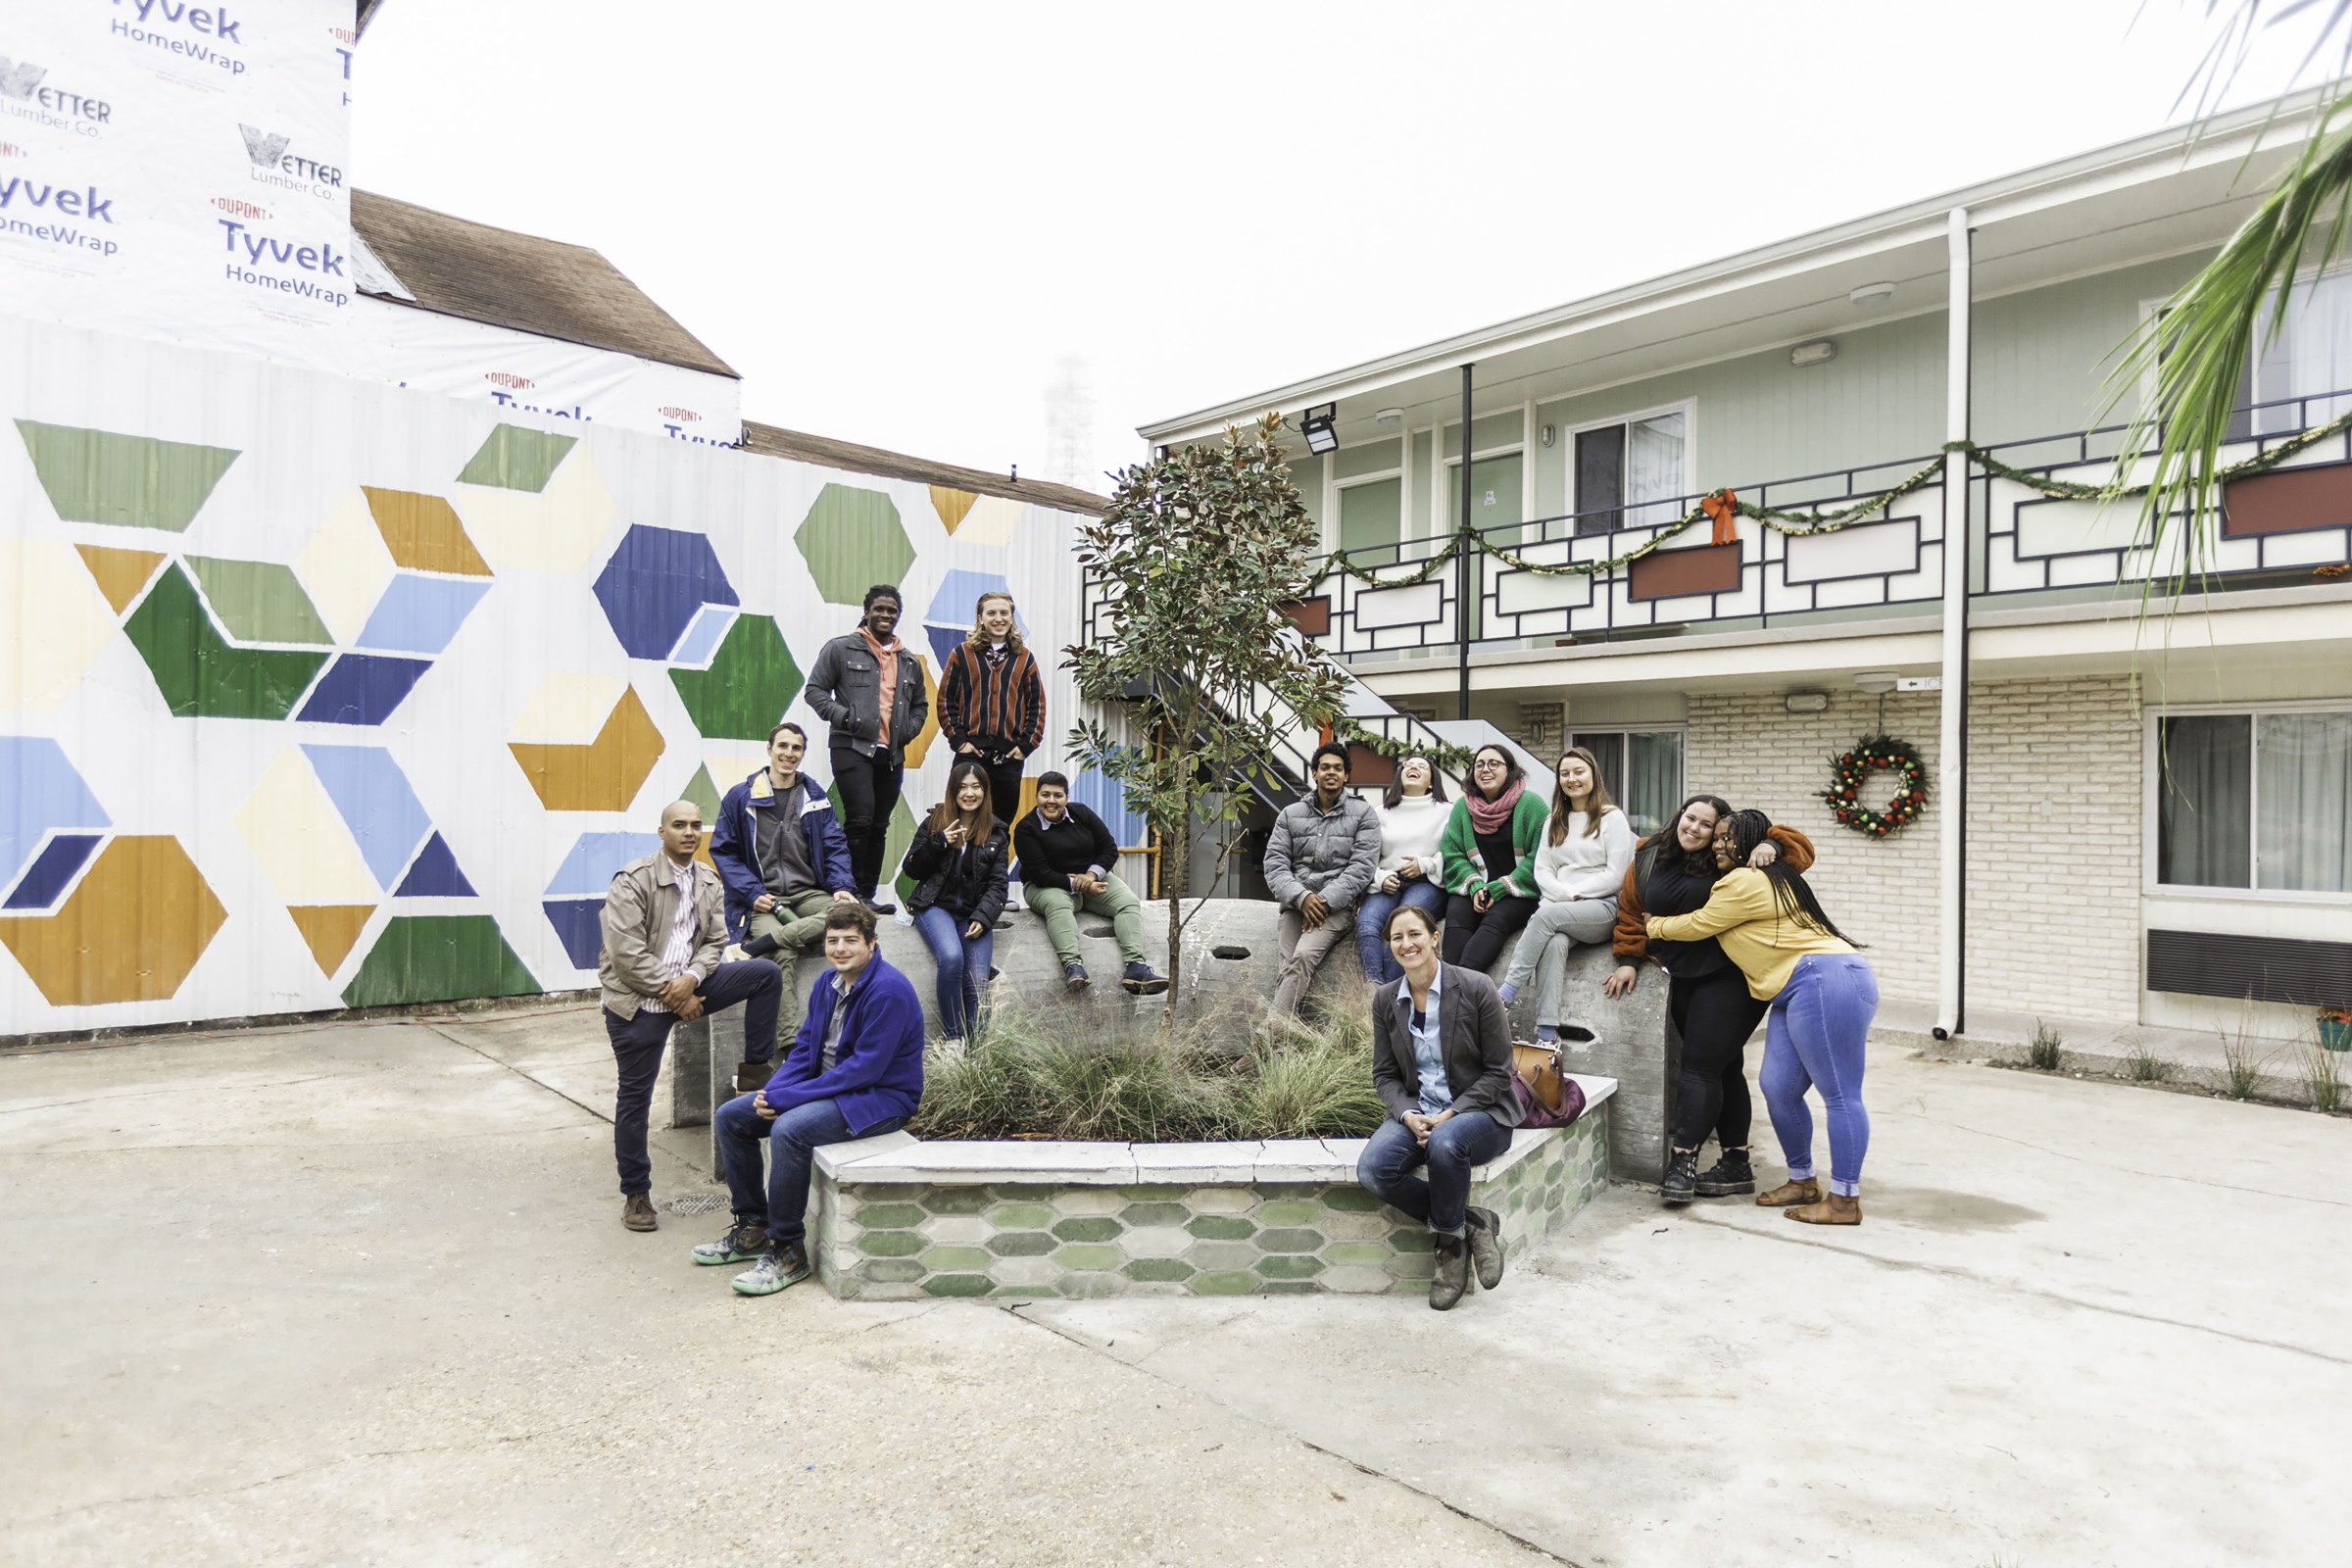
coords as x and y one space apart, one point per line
638 1213
1790 1194
1830 1210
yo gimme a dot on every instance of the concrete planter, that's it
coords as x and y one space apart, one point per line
895 1218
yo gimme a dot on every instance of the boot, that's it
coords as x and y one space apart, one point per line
1728 1176
637 1213
751 1076
1452 1278
1485 1246
1682 1177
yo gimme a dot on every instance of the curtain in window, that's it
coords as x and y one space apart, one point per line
1608 750
2303 811
1654 469
1653 784
2312 355
2204 800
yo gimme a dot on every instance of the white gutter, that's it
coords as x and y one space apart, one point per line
1951 752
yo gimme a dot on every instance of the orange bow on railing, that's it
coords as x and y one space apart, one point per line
1721 508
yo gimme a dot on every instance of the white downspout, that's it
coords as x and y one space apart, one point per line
1951 753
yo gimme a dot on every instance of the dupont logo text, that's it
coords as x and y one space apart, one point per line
508 379
236 207
274 164
27 93
686 414
28 209
195 33
258 260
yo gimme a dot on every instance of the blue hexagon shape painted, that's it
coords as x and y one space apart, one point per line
656 584
39 792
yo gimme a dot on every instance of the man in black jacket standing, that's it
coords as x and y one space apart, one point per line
869 687
1066 855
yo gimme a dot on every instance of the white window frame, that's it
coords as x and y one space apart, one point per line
2151 802
2149 309
1570 729
1687 408
1336 488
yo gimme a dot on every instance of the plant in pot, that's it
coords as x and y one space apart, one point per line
2335 1028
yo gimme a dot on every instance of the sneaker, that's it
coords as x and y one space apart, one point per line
1728 1176
1682 1177
1452 1278
1508 991
881 908
745 1240
637 1212
778 1267
761 947
1143 980
1485 1246
1074 977
752 1076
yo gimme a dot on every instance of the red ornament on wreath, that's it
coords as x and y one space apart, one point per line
1849 775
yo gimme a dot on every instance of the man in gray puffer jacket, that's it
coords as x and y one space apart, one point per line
1320 861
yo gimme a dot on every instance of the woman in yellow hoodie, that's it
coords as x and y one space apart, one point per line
1823 996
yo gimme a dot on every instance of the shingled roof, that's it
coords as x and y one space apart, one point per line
769 441
542 286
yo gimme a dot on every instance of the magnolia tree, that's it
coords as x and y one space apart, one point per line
1197 560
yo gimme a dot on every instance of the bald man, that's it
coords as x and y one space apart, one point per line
665 926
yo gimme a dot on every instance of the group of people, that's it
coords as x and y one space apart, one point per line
1433 892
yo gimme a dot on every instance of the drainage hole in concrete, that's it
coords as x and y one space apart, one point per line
697 1203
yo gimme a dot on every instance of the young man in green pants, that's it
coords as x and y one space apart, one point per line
1065 855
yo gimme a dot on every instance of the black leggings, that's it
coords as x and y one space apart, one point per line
1715 1015
1474 940
869 789
1004 787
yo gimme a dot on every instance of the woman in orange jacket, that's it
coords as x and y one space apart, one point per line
1706 996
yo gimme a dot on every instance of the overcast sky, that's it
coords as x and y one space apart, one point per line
902 222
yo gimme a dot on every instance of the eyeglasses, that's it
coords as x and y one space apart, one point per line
1485 762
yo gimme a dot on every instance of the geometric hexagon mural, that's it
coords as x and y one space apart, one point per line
40 793
120 573
656 586
575 894
346 567
199 671
851 539
131 932
54 623
983 519
516 457
920 746
134 481
599 770
534 501
437 958
423 532
952 504
750 682
959 591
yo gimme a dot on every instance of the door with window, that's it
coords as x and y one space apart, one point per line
1630 474
1495 511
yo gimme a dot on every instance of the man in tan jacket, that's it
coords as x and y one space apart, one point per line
665 927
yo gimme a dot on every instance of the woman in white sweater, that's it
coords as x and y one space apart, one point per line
1578 868
1413 819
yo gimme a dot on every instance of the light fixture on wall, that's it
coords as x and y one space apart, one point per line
1877 683
1871 294
1319 425
1821 351
1390 416
1806 702
1548 435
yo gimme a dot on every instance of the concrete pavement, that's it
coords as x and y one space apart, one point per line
359 1293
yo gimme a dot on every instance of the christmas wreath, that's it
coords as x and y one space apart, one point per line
1852 770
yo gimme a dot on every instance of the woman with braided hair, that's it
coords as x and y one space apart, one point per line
1821 996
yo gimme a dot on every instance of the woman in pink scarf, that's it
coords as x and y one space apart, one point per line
1488 856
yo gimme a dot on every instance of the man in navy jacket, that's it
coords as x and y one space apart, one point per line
783 862
856 1070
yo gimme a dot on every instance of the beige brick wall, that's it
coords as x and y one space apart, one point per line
2054 834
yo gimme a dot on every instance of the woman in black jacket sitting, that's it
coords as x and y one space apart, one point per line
958 861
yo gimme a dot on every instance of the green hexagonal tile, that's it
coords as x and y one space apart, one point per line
890 1216
958 1285
1298 1239
962 1258
1088 1228
1368 1254
750 682
1158 1268
1087 1287
852 538
893 1270
1221 1227
1411 1239
1289 1268
1289 1212
1354 1198
1021 1244
1290 1288
1411 1265
1221 1199
1089 1201
1024 1273
1357 1281
1020 1216
1022 1191
1231 1284
1156 1213
1216 1255
1152 1195
1089 1258
892 1243
864 1193
956 1200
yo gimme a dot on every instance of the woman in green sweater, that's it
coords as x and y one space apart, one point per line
1489 855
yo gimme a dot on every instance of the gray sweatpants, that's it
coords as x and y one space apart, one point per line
1544 946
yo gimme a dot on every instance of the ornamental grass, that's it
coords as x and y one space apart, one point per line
1072 1074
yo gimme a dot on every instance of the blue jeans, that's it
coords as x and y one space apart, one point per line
1372 924
1385 1168
1814 1040
793 1140
962 966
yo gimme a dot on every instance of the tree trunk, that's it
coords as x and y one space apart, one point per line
1175 872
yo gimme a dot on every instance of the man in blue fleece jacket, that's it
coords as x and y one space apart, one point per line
856 1070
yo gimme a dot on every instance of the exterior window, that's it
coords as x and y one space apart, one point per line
2259 801
1643 770
1371 515
2310 353
1630 475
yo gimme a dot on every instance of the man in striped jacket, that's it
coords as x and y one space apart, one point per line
992 701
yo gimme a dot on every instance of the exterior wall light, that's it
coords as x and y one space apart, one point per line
1319 425
1878 682
1821 351
1871 294
1390 416
1806 702
1548 435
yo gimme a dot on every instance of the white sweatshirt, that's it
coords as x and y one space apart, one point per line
1584 866
1413 828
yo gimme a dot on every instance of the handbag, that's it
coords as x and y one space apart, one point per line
1547 1095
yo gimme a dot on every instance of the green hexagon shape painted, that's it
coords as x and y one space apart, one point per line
438 957
260 602
751 681
132 481
202 675
516 458
851 539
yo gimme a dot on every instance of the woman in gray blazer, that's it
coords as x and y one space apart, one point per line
1441 1062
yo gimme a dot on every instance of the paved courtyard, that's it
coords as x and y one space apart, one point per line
359 1293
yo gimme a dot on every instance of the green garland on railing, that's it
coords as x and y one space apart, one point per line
1806 525
1450 758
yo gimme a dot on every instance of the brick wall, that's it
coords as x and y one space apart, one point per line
2054 834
